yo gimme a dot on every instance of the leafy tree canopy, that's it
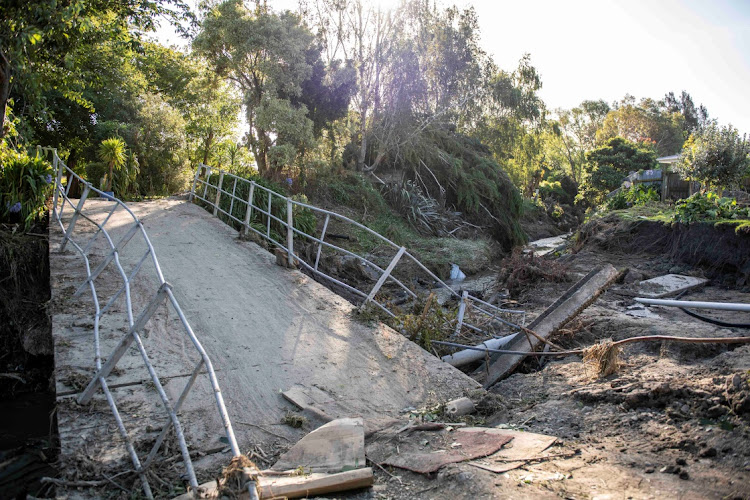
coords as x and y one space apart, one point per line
717 157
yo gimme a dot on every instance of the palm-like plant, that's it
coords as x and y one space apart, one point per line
112 152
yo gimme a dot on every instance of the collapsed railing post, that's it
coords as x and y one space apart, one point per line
249 213
124 343
289 232
384 276
322 238
461 312
72 225
218 192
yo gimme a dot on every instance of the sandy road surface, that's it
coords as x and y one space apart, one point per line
265 328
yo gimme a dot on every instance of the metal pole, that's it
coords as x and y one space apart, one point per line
58 182
72 225
195 181
249 213
461 312
384 276
322 237
268 222
687 304
289 232
218 192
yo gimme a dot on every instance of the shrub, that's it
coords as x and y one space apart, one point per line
709 206
25 183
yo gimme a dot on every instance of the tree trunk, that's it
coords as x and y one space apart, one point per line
207 147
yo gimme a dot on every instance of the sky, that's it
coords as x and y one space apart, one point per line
604 49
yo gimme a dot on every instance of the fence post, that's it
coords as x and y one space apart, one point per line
249 213
461 312
58 183
322 238
289 232
195 182
384 276
72 225
218 192
268 221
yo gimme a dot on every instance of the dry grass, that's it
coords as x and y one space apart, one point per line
604 357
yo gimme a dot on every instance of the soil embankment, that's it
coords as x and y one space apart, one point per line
28 429
722 252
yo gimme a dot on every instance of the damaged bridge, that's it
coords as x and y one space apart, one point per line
172 365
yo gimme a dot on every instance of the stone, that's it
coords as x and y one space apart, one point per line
684 475
668 285
708 452
681 461
716 411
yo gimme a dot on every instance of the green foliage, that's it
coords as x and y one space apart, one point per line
641 194
25 183
716 157
608 165
708 207
112 153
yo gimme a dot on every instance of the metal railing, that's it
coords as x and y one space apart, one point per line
137 322
244 211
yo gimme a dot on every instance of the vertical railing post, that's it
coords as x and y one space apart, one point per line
205 184
57 166
289 232
461 312
322 238
384 276
72 225
268 221
218 192
249 213
195 182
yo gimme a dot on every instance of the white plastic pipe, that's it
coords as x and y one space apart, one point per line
688 304
467 356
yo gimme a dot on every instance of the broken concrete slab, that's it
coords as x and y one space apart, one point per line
462 446
336 446
525 445
668 286
564 309
546 246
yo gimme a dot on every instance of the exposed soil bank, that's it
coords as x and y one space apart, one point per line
720 251
28 442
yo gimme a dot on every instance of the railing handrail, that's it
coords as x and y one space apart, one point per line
484 308
162 295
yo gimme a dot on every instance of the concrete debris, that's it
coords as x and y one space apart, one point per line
460 407
336 446
668 285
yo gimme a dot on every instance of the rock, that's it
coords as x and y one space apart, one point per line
708 452
669 469
680 461
716 411
685 409
632 276
649 470
684 475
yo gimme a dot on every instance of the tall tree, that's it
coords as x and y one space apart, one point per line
37 40
265 55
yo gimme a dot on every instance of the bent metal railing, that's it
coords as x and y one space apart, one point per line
136 322
240 210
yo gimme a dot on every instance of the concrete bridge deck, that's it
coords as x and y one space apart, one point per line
266 329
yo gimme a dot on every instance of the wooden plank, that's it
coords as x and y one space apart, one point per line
564 309
303 486
334 447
